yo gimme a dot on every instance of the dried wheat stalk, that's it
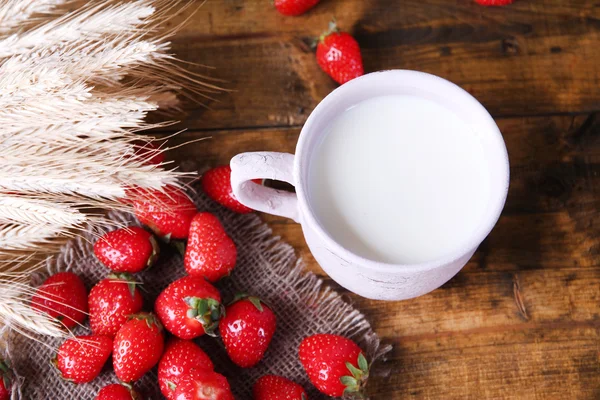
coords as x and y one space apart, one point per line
74 92
15 294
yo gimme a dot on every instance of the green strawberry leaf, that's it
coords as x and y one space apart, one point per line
356 373
363 364
256 302
4 366
207 311
238 297
131 286
349 381
202 307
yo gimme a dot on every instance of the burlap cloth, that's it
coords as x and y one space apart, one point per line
266 267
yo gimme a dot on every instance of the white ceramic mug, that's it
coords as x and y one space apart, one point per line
368 278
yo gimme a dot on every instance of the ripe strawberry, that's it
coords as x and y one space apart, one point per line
494 2
271 387
334 364
117 392
216 183
338 54
81 359
6 380
62 296
210 253
111 302
167 213
203 384
137 347
247 329
189 307
179 358
127 250
294 7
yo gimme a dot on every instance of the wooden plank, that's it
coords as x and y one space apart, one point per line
560 361
529 58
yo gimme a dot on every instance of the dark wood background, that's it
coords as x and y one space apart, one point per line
522 319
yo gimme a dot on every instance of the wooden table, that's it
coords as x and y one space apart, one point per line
522 319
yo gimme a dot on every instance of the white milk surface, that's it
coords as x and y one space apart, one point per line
399 179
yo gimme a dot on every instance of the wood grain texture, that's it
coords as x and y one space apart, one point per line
535 57
522 319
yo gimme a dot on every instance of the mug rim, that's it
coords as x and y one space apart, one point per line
488 221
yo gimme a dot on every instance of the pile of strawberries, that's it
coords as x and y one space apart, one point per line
188 308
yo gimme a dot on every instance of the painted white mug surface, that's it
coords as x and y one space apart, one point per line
399 176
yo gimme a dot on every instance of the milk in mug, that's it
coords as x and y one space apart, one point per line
399 179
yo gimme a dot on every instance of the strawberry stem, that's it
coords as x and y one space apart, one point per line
125 277
207 311
332 28
356 382
258 303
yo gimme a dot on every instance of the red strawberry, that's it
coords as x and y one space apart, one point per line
189 307
150 152
62 296
271 387
127 250
203 384
247 329
6 380
494 2
334 364
216 183
168 213
294 7
179 358
210 253
338 54
117 392
81 359
111 302
137 347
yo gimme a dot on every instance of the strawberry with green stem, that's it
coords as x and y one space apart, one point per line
247 329
137 347
335 365
189 307
111 302
338 54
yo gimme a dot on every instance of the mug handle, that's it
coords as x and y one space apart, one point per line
265 165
